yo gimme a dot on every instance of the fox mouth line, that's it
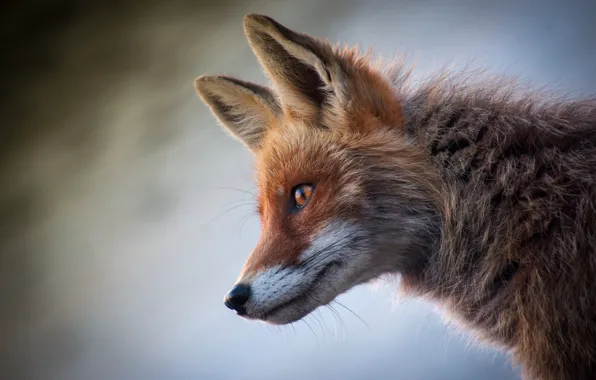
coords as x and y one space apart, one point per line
305 294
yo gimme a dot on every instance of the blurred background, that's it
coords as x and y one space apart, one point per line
126 212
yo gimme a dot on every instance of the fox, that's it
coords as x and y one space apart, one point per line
475 194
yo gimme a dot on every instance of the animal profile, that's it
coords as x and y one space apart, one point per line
479 196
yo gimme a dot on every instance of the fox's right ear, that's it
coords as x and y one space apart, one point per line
306 73
244 109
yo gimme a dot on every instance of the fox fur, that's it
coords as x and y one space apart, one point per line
479 195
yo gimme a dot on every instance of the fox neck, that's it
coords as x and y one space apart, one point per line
488 152
449 131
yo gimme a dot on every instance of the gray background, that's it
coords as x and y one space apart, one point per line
114 253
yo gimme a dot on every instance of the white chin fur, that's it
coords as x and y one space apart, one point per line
329 266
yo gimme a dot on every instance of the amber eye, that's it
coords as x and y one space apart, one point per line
302 194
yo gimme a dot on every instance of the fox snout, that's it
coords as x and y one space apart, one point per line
287 291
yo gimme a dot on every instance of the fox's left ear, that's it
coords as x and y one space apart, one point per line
245 109
309 74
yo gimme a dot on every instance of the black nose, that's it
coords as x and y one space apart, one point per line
237 297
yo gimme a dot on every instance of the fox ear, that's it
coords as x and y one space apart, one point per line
244 109
305 71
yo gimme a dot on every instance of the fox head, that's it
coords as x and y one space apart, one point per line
345 195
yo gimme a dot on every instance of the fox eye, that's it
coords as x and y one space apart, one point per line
302 194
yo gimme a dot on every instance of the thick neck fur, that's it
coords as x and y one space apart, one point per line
515 260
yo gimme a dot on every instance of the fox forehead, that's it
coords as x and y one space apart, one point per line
295 152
